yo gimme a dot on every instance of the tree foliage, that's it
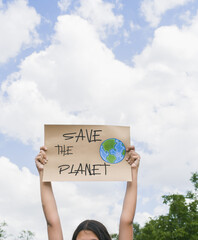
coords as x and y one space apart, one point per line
181 222
3 234
23 235
26 235
114 236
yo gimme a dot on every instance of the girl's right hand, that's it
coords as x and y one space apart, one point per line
41 159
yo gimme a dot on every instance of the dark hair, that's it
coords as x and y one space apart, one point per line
96 227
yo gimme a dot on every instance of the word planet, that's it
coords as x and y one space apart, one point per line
112 150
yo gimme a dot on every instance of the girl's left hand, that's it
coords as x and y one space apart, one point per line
132 158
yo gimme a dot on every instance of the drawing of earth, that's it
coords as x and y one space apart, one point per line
112 150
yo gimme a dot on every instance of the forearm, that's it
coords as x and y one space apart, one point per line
129 205
130 199
50 210
48 200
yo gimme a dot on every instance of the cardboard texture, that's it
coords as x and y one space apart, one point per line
86 153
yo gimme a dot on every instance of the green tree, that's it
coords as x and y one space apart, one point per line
136 229
23 235
3 234
181 222
26 235
114 236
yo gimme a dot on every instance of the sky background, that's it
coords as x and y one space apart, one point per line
97 62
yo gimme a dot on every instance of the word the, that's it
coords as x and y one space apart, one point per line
90 135
64 150
87 169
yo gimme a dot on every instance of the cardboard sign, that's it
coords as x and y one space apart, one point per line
86 153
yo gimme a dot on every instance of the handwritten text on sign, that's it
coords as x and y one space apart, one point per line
86 153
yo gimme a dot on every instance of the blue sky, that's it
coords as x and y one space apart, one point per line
72 62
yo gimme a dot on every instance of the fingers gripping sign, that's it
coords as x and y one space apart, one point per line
41 159
133 158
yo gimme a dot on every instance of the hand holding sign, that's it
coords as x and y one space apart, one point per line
86 153
41 159
133 158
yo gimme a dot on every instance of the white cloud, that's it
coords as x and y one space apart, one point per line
78 79
119 4
126 36
64 5
186 16
142 218
100 14
67 70
21 208
26 111
169 64
160 210
134 26
153 10
116 44
18 24
145 200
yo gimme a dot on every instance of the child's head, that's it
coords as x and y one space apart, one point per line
92 226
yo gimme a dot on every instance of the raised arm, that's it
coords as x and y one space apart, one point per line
129 204
48 200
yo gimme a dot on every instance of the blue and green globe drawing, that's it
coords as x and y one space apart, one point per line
112 150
